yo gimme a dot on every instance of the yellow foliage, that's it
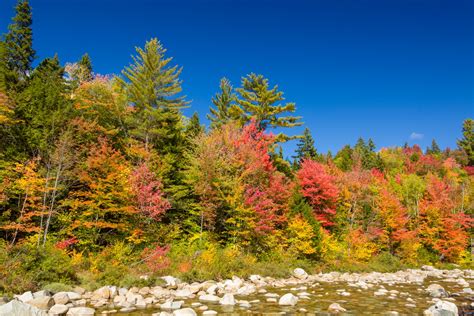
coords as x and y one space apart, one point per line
301 236
331 248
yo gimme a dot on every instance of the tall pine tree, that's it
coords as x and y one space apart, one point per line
225 105
261 103
467 142
305 147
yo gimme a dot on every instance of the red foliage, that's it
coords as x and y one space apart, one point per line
319 188
148 193
156 258
66 243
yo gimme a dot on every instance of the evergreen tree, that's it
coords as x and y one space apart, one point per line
259 102
305 147
152 86
193 127
42 107
467 142
434 149
343 158
225 107
85 65
19 42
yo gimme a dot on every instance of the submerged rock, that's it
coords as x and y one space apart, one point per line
288 299
336 308
436 290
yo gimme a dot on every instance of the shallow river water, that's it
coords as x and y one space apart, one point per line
406 299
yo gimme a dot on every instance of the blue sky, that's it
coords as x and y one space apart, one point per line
393 70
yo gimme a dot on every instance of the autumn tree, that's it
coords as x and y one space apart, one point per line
318 187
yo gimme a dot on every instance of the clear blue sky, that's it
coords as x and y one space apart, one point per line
393 70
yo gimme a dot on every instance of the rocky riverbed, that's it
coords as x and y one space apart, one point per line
426 291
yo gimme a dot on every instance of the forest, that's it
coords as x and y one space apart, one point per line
103 179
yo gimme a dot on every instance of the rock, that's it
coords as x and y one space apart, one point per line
58 310
103 292
227 299
79 290
41 293
127 309
19 308
247 289
61 298
170 281
442 308
184 312
212 289
25 297
209 313
300 274
42 302
172 305
336 308
144 291
288 299
209 298
184 293
436 290
81 311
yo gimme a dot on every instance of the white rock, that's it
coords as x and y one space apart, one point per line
172 305
170 281
61 298
209 298
81 311
336 308
25 297
185 293
227 299
103 292
209 313
42 302
436 290
442 308
300 274
288 299
19 308
58 310
184 312
41 293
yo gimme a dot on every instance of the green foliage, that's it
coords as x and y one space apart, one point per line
260 103
305 148
467 142
226 109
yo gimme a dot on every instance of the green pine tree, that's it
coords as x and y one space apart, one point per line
19 43
434 149
467 142
305 147
225 105
152 87
261 103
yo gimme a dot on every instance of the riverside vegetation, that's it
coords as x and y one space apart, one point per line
104 180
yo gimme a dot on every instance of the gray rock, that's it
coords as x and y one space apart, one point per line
172 305
41 293
288 299
42 302
19 308
103 292
81 311
442 308
58 310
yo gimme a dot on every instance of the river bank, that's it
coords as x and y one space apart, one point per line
427 291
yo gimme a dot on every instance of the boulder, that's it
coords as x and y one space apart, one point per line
58 310
170 281
436 290
61 298
43 302
81 311
184 293
103 292
227 299
184 312
209 298
172 305
442 308
336 308
25 297
41 293
300 274
288 299
19 308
